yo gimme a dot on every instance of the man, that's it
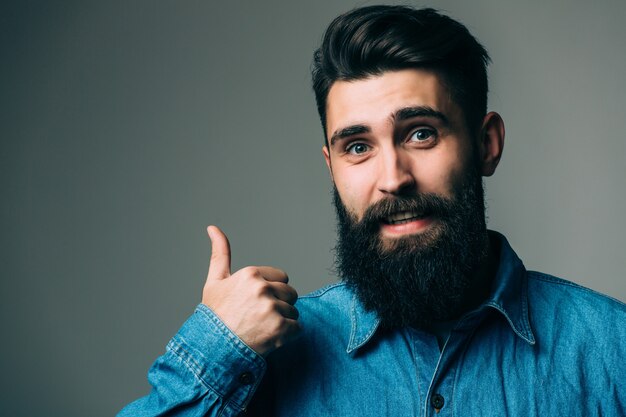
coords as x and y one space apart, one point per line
433 313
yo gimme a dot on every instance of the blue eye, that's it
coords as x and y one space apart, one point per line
357 148
422 134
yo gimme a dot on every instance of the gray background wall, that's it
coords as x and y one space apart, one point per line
127 127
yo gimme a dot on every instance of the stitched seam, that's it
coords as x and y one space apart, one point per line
240 347
526 314
559 281
177 348
549 278
368 335
527 339
320 292
232 406
242 350
463 354
352 327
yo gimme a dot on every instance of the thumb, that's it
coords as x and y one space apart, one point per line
219 267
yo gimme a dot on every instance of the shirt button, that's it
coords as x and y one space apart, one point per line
437 401
246 378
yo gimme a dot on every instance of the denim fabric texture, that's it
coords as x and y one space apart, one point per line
538 346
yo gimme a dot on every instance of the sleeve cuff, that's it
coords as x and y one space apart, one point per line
218 357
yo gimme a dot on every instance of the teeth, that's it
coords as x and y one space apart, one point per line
401 216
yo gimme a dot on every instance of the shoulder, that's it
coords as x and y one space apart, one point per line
571 313
564 294
326 318
580 337
332 293
334 301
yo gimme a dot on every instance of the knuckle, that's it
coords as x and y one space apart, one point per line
278 343
283 331
294 293
250 271
279 325
259 287
267 308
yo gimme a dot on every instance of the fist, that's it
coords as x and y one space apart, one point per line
256 302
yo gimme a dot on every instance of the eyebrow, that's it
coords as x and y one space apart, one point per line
420 111
348 131
404 113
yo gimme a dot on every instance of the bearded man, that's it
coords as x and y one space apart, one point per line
434 314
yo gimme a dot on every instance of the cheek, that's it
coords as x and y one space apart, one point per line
355 190
441 174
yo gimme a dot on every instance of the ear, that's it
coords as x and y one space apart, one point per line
326 153
491 142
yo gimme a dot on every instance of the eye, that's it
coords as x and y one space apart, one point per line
422 134
357 148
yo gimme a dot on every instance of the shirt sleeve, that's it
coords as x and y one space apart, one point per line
206 371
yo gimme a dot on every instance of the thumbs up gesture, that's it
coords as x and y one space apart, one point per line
256 302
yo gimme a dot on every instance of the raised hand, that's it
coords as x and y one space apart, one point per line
256 302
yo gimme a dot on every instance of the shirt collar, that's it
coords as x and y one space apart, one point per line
509 296
363 325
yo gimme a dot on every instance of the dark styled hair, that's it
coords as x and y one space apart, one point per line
371 40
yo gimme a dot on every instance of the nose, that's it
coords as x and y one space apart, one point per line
395 175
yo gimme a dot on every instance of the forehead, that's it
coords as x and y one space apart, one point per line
373 100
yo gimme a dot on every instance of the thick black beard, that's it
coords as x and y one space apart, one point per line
422 279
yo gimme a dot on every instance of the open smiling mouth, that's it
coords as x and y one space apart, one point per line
404 217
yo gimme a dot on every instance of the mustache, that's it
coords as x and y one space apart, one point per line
423 204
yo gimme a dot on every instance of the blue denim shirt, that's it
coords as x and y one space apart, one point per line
538 346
